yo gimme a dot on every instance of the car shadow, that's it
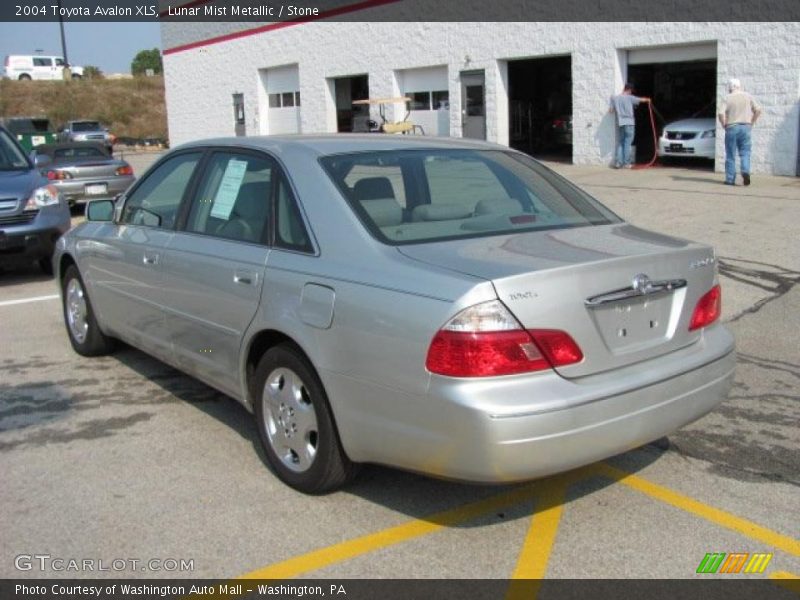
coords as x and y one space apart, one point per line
22 274
414 495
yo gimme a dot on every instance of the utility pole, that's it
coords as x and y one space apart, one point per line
67 73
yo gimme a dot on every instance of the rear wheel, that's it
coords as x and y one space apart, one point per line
296 425
84 334
24 77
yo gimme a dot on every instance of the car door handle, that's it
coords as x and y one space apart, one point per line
245 277
150 259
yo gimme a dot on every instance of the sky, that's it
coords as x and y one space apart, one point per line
110 46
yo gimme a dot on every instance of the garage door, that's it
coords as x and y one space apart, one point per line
428 89
662 54
283 99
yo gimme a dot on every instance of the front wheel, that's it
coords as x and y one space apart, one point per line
296 425
84 333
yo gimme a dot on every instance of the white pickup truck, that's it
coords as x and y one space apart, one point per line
38 66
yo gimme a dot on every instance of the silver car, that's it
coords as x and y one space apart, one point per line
83 171
689 138
439 305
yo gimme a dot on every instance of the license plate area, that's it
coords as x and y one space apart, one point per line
638 323
676 147
96 189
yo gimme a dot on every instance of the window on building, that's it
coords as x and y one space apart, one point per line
284 100
420 100
429 100
440 99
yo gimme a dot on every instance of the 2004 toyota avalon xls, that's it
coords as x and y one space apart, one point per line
443 306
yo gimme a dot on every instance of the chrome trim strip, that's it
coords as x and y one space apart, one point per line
652 287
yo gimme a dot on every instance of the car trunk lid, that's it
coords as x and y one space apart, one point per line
624 294
89 169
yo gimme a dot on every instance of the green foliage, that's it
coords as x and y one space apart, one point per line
147 59
92 72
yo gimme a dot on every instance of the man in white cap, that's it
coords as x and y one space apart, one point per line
738 113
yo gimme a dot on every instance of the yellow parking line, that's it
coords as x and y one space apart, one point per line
323 557
788 581
715 515
535 554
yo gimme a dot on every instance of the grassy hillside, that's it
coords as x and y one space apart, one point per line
128 107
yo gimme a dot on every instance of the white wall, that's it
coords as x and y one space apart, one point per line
765 56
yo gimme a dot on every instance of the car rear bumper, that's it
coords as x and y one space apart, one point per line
516 428
76 191
698 148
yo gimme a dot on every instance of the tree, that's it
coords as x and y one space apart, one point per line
92 72
147 59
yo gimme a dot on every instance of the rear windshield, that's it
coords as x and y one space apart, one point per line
78 152
416 196
86 126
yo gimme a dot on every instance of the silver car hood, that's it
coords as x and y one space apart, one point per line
697 125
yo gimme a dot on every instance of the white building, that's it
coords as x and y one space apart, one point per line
505 82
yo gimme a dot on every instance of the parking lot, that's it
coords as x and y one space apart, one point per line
124 458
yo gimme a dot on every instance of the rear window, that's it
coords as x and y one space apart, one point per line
417 196
82 152
86 126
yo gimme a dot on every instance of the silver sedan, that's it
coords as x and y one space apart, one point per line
83 171
444 306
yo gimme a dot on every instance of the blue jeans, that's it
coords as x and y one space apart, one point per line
737 139
624 141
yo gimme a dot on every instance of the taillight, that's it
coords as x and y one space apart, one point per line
708 309
56 175
486 340
124 170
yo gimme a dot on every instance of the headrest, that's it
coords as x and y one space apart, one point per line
493 206
371 188
440 212
384 212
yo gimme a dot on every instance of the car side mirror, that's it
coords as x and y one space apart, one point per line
41 160
100 210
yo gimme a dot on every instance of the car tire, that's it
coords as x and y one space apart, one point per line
296 424
76 77
24 77
79 318
46 265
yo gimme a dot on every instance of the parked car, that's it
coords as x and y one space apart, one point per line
87 131
36 66
561 131
446 306
84 171
33 215
30 131
690 138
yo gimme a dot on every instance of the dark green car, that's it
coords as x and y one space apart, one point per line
30 131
